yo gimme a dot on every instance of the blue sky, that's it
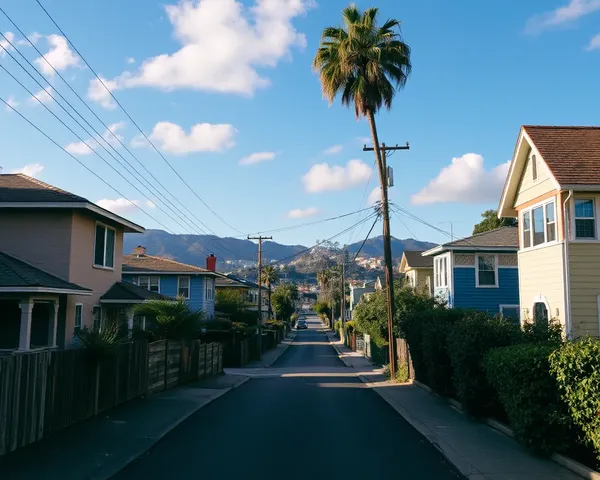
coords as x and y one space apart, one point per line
227 93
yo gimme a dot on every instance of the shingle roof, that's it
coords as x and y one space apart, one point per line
503 237
571 153
415 259
17 273
233 281
17 187
129 291
149 263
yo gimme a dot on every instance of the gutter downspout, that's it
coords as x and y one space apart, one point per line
567 278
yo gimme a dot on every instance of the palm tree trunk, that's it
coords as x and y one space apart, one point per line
387 244
270 309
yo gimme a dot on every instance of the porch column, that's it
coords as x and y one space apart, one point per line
130 319
25 331
53 324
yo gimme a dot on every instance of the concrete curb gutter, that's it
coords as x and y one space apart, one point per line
286 342
109 472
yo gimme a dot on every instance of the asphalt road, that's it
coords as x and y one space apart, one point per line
295 427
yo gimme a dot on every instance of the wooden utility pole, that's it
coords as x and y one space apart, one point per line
260 240
387 247
343 300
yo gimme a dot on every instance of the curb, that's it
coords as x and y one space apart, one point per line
288 341
111 472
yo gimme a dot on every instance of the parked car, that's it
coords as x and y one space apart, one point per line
301 325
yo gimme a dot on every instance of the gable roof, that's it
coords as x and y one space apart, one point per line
19 276
21 191
233 281
415 259
129 293
160 265
505 239
571 153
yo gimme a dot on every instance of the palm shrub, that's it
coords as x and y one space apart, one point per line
101 343
172 319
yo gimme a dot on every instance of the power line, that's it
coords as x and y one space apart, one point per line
366 238
364 197
133 121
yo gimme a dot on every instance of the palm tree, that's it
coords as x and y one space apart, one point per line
366 63
268 277
172 319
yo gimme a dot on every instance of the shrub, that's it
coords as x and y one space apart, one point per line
576 366
337 325
521 376
322 309
542 332
100 343
470 339
412 329
274 325
351 328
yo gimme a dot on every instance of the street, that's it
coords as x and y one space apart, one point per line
311 418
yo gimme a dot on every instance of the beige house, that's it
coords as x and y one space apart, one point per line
418 270
68 239
553 188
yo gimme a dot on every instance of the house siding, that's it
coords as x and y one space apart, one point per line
541 275
467 295
422 274
528 188
584 265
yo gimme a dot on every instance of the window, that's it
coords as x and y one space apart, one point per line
78 317
540 313
585 221
486 271
183 287
150 283
539 225
511 312
534 172
441 272
104 248
96 311
209 290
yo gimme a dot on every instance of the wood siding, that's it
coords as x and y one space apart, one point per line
530 189
585 287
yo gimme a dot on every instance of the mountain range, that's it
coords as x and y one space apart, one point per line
193 249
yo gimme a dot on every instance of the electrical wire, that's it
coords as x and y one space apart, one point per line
366 238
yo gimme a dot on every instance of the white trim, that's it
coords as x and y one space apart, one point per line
496 276
77 205
582 188
80 326
541 204
539 247
189 287
540 299
57 291
148 277
573 228
174 272
474 248
106 228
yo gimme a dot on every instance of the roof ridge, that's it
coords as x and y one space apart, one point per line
571 127
165 259
487 232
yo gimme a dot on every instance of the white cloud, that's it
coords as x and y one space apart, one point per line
465 180
363 140
224 44
33 38
258 157
594 43
566 14
4 43
122 205
98 93
303 212
322 177
32 170
131 60
60 56
203 137
80 148
43 96
374 196
334 150
12 102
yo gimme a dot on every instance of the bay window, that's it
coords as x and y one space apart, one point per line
539 225
585 219
441 272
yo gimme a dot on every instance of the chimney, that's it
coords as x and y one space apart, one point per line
139 251
211 263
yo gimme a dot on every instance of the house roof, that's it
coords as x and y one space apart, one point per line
160 265
415 259
19 276
21 191
233 281
499 239
129 293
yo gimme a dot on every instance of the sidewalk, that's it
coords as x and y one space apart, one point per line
270 357
102 446
478 451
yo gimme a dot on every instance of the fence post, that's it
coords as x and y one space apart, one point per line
166 364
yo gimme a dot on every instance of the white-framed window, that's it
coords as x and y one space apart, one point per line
511 312
78 317
104 246
149 283
487 271
585 218
539 224
534 172
97 316
183 287
441 271
209 289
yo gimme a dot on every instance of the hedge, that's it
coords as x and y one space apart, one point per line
529 393
576 366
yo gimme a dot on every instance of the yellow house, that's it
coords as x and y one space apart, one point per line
418 270
553 188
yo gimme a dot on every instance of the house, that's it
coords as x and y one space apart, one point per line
250 289
553 188
479 272
61 258
418 270
357 292
171 278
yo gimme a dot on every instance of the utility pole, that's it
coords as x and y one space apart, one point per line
387 246
451 229
343 301
260 240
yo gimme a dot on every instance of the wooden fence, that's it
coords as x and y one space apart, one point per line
42 392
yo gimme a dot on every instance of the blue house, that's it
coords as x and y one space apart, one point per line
172 278
479 272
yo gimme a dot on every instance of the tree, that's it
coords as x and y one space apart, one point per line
367 63
269 277
491 221
172 319
284 298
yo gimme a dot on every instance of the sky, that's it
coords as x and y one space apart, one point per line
225 91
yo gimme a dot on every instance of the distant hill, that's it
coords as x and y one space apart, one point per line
193 249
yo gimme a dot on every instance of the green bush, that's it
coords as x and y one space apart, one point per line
542 332
521 376
274 325
337 325
576 366
470 339
351 328
322 309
